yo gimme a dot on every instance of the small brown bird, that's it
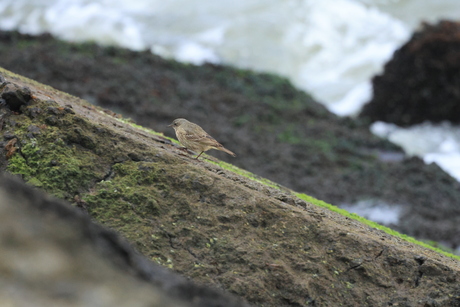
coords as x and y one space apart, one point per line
193 137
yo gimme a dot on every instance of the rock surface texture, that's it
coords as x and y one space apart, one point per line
53 255
202 219
276 131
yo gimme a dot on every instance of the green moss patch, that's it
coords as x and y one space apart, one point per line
55 152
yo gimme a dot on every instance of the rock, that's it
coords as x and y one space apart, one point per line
53 255
14 96
279 132
421 82
206 222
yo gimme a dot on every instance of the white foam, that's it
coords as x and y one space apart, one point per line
213 36
382 129
377 211
343 52
439 143
450 162
73 20
353 100
192 52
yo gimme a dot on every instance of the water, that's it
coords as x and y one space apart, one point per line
330 48
376 211
314 43
438 143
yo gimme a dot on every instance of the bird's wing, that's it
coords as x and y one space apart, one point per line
202 138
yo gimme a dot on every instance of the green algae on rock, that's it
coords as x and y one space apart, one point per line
55 155
281 132
211 224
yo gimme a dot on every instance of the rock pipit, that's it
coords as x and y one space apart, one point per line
193 137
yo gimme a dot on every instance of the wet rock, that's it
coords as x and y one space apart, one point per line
52 120
8 136
15 97
33 112
51 254
33 131
53 110
78 136
285 198
69 110
421 82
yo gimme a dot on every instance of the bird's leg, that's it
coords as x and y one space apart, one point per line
198 155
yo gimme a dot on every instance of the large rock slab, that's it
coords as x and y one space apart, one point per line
53 255
212 222
277 131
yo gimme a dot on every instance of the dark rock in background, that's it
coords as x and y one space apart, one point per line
422 80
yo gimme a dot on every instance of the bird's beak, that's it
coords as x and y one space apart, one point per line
170 125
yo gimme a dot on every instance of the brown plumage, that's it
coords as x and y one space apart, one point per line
193 137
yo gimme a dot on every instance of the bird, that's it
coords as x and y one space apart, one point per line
193 137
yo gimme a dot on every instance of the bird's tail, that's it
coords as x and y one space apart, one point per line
227 151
